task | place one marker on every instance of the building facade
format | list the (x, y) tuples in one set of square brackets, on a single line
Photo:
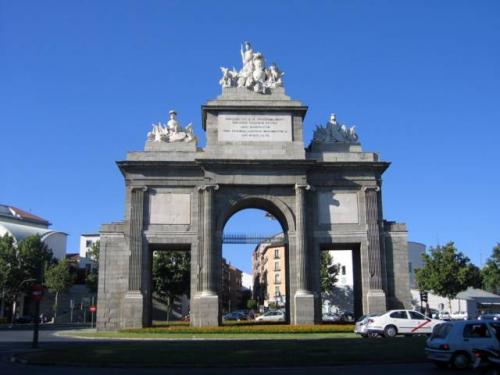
[(231, 288), (20, 224), (415, 261), (269, 273)]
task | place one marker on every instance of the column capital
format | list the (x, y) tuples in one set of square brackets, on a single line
[(303, 186), (369, 188), (208, 187), (139, 188)]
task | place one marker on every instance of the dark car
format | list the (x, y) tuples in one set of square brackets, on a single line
[(489, 317), (235, 315), (347, 316), (25, 319)]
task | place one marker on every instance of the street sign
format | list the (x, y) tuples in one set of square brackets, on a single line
[(36, 292), (92, 309)]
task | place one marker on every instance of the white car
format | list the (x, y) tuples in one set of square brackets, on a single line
[(271, 316), (459, 315), (406, 322), (452, 342), (444, 315)]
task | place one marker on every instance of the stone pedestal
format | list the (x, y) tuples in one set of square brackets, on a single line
[(205, 311), (133, 310), (304, 308), (376, 301)]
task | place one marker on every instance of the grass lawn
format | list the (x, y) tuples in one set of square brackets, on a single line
[(336, 349)]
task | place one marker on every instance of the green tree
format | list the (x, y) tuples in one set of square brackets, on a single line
[(329, 272), (490, 274), (9, 271), (58, 278), (171, 275), (92, 278), (251, 304), (34, 257), (25, 265), (447, 272)]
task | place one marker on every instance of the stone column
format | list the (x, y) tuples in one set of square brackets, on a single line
[(208, 272), (304, 298), (376, 296), (133, 305), (206, 312)]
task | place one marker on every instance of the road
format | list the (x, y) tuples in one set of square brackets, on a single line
[(12, 342)]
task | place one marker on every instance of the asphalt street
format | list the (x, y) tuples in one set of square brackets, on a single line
[(12, 342)]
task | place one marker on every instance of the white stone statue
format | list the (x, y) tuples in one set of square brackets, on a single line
[(253, 75), (172, 131), (229, 77), (334, 132), (274, 76)]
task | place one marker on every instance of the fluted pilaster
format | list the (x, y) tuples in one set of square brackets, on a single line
[(208, 272), (374, 245), (301, 237), (135, 232)]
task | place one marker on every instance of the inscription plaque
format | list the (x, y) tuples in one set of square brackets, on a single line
[(262, 127)]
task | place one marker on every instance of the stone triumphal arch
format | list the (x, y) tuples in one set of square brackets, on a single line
[(179, 196)]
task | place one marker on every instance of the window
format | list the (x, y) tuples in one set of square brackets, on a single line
[(277, 266), (88, 243), (409, 267), (416, 316), (343, 270), (276, 254), (277, 291), (277, 278), (441, 330), (476, 331), (399, 315)]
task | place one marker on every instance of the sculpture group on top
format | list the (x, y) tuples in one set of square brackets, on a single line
[(254, 75), (172, 131), (334, 132)]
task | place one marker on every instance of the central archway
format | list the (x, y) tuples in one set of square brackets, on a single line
[(270, 260)]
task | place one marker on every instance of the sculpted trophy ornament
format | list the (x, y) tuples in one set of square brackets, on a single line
[(254, 75), (172, 131), (334, 132)]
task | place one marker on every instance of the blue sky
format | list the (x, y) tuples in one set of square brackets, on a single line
[(82, 82)]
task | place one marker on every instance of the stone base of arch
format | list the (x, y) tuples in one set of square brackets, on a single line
[(376, 301), (133, 310), (205, 311), (304, 308)]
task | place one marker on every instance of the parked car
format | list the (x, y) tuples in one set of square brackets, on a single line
[(489, 317), (24, 319), (249, 314), (331, 317), (459, 315), (394, 322), (346, 316), (361, 328), (235, 316), (444, 315), (452, 342), (272, 316)]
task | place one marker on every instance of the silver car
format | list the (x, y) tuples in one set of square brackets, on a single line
[(452, 342)]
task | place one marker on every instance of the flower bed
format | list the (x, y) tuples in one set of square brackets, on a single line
[(247, 329)]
